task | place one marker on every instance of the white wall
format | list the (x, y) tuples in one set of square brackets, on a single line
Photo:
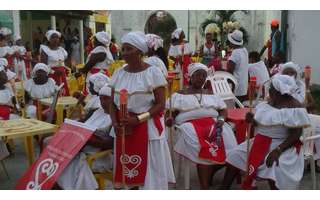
[(303, 40)]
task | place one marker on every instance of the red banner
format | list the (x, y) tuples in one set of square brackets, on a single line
[(62, 148)]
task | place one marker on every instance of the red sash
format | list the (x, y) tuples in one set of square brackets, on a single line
[(10, 59), (136, 155), (210, 151), (258, 152), (61, 79), (186, 61), (28, 68), (4, 112), (62, 148)]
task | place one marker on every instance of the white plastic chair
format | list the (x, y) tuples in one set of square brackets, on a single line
[(222, 89), (309, 136), (222, 75)]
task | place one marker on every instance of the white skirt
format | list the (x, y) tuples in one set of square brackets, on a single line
[(188, 143), (286, 176)]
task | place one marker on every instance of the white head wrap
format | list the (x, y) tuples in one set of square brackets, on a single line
[(105, 91), (98, 80), (1, 68), (284, 84), (3, 62), (51, 32), (103, 37), (193, 67), (154, 41), (293, 66), (176, 33), (40, 66), (136, 39), (17, 37), (5, 31)]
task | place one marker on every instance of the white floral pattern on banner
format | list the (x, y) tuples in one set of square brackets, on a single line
[(47, 167)]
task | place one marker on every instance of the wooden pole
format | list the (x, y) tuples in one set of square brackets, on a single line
[(123, 115)]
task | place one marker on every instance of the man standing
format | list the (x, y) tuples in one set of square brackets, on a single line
[(273, 44), (238, 64)]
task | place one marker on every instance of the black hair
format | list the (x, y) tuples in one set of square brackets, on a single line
[(254, 55), (2, 37), (174, 40), (163, 55)]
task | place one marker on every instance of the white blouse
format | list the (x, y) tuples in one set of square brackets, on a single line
[(155, 61), (40, 91), (5, 50), (275, 122), (107, 61), (55, 57), (190, 108), (93, 103), (6, 96), (140, 87), (176, 50)]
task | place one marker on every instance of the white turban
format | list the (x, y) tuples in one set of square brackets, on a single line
[(154, 41), (51, 32), (136, 39), (98, 80), (103, 37), (3, 62), (5, 31), (193, 67), (105, 91), (284, 84), (40, 66), (292, 66), (176, 33)]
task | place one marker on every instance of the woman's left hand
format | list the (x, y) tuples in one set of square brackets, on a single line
[(130, 121), (273, 157)]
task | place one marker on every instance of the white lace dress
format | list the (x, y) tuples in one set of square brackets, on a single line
[(38, 92), (274, 123), (189, 108), (140, 87)]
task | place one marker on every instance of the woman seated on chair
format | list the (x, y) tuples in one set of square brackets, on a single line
[(275, 151), (38, 87), (96, 82), (199, 116), (78, 175)]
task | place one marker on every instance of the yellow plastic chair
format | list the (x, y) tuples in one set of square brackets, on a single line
[(100, 177)]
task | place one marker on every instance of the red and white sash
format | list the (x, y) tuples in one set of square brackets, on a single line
[(62, 148), (135, 158), (258, 152), (209, 149)]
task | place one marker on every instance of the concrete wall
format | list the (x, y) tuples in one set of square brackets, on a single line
[(303, 40)]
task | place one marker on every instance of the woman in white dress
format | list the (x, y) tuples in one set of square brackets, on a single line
[(54, 56), (38, 87), (146, 158), (199, 118), (78, 175), (156, 53), (209, 49), (275, 151), (180, 51), (18, 61), (99, 58)]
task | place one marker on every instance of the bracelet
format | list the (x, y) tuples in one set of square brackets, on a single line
[(143, 117), (220, 118)]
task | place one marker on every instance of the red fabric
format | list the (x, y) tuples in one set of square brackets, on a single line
[(210, 151), (216, 64), (238, 116), (136, 154), (4, 112), (186, 61), (61, 79), (28, 67), (157, 122), (10, 61), (62, 148), (258, 152)]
